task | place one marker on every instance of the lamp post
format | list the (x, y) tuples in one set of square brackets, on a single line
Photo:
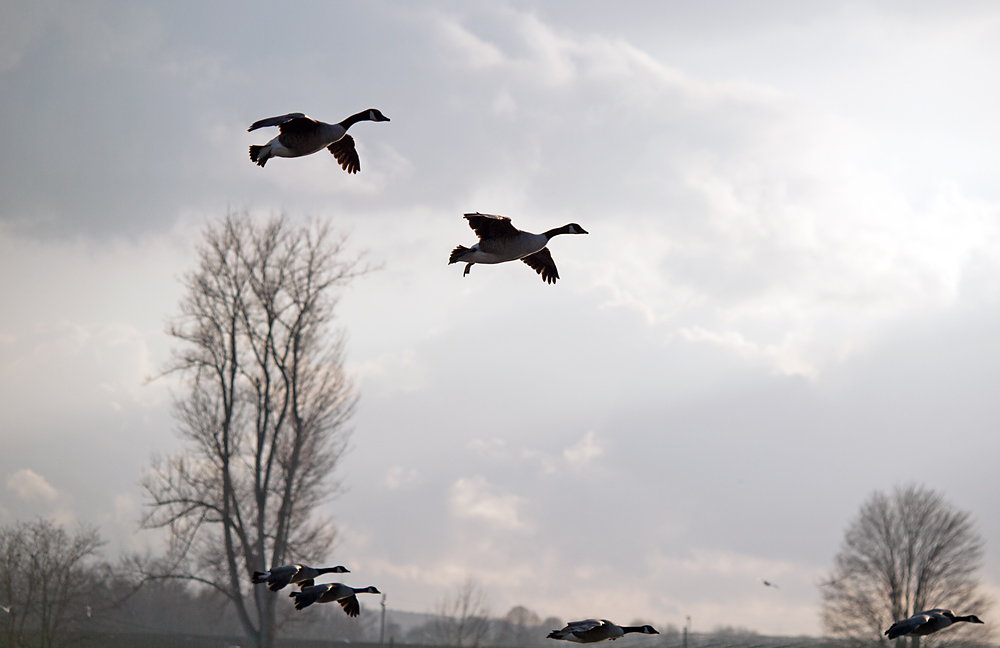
[(381, 632)]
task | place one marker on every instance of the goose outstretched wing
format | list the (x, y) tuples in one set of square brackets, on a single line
[(542, 263), (345, 153), (489, 226), (350, 605), (276, 121)]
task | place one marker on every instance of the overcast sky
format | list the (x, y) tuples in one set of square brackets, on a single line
[(789, 297)]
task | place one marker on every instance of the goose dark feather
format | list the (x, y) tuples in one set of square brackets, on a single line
[(542, 263)]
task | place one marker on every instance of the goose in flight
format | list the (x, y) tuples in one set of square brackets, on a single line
[(593, 630), (329, 592), (499, 241), (301, 575), (926, 622), (300, 135)]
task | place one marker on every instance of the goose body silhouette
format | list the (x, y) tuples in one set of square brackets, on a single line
[(302, 575), (927, 622), (300, 135), (500, 241), (330, 592), (594, 630)]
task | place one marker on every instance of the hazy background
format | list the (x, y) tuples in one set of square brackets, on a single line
[(788, 297)]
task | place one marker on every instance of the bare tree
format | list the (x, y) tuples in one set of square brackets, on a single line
[(904, 553), (519, 627), (265, 411), (463, 618), (46, 577)]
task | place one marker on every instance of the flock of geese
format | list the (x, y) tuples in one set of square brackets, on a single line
[(499, 242)]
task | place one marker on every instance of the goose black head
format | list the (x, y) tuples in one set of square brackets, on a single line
[(371, 590), (647, 629), (573, 228), (375, 115), (972, 618)]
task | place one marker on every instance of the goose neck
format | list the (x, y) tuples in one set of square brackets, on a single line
[(354, 119)]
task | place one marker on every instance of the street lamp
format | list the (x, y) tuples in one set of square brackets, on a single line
[(381, 632)]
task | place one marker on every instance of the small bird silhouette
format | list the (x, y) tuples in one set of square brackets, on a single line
[(769, 584)]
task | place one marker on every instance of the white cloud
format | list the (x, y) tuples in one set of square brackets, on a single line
[(31, 487), (397, 477), (475, 498), (580, 455), (491, 448)]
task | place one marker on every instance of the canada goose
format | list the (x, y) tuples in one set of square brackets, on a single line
[(303, 575), (591, 630), (301, 135), (926, 622), (329, 592), (769, 584), (500, 241)]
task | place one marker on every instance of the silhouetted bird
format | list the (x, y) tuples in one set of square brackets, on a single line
[(926, 622), (499, 241), (330, 592), (593, 630), (301, 135), (769, 584), (302, 575)]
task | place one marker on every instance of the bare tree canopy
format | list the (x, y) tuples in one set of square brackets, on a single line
[(519, 627), (903, 554), (463, 618), (265, 411), (46, 579)]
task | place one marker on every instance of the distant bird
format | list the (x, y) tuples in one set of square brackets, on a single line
[(831, 583), (301, 135), (593, 630), (5, 608), (926, 622), (499, 241), (301, 575), (329, 592), (769, 584)]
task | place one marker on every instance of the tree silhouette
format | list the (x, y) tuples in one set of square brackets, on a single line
[(265, 411), (903, 554)]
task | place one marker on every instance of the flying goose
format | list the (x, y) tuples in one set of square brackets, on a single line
[(500, 241), (329, 592), (926, 622), (592, 630), (301, 135), (302, 575)]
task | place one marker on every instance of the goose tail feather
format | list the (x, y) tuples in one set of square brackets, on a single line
[(256, 156), (456, 254)]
